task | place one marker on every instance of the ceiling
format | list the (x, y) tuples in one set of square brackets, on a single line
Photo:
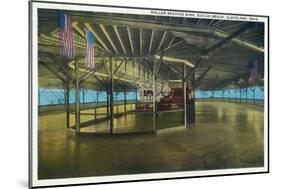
[(215, 52)]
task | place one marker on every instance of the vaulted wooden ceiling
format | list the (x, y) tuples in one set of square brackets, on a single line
[(217, 51)]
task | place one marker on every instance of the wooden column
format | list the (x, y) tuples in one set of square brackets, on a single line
[(193, 97), (77, 98), (107, 102), (83, 97), (254, 96), (184, 93), (154, 97), (246, 95), (240, 95), (111, 98), (97, 99), (125, 102), (66, 102)]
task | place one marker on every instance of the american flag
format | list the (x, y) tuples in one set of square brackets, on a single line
[(65, 35), (254, 71), (90, 51)]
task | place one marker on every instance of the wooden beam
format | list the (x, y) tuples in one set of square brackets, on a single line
[(130, 39), (108, 37), (140, 41), (77, 98), (199, 61), (171, 42), (100, 81), (53, 71), (219, 45), (144, 23), (111, 98), (104, 63), (199, 80), (86, 76), (147, 64), (118, 67), (176, 71), (77, 28), (151, 41), (162, 40), (119, 38), (97, 37), (177, 44), (62, 66), (228, 38), (160, 25)]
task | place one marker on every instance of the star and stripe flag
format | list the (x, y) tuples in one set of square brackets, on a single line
[(65, 35), (66, 40), (90, 50)]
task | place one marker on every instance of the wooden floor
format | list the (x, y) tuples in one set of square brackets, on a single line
[(226, 135)]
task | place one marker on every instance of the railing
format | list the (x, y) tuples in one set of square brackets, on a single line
[(258, 102), (56, 108)]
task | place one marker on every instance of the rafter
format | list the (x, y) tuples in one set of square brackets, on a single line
[(108, 37), (228, 38), (140, 41), (171, 42), (161, 25), (162, 40), (151, 41), (97, 37), (131, 41), (119, 38), (77, 28)]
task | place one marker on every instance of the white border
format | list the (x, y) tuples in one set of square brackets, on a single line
[(35, 182)]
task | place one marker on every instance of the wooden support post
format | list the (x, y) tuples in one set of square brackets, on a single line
[(184, 98), (97, 100), (107, 103), (83, 97), (240, 95), (125, 102), (77, 98), (39, 96), (193, 97), (246, 95), (136, 95), (111, 97), (203, 92), (154, 96), (254, 96), (66, 102)]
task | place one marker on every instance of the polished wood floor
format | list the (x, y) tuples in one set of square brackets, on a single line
[(225, 135)]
